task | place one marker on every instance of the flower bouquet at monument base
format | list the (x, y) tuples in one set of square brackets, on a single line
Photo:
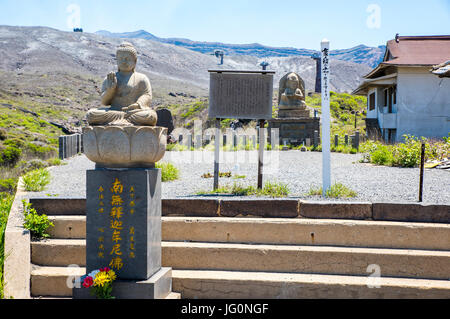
[(100, 282)]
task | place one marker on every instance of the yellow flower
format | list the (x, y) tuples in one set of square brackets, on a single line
[(112, 275), (101, 279)]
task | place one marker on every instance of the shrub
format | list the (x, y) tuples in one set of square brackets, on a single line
[(27, 166), (54, 162), (40, 151), (35, 181), (3, 134), (382, 155), (16, 142), (176, 147), (10, 156), (35, 223), (8, 185), (168, 172), (407, 154)]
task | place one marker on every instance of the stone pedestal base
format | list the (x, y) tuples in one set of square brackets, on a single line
[(159, 286), (123, 222), (295, 131), (123, 232), (294, 113)]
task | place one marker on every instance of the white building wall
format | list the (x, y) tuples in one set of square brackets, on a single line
[(423, 103)]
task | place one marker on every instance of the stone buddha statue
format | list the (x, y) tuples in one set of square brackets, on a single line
[(291, 97), (292, 91), (127, 93)]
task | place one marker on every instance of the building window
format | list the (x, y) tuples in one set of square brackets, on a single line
[(372, 102), (395, 95), (385, 95)]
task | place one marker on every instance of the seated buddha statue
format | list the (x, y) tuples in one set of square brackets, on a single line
[(291, 92), (126, 95)]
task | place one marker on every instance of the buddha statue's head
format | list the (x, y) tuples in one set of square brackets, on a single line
[(126, 57), (292, 81)]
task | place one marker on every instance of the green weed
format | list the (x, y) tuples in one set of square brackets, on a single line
[(337, 190), (35, 181), (38, 225), (168, 172), (271, 189)]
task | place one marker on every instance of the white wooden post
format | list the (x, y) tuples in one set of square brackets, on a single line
[(326, 153)]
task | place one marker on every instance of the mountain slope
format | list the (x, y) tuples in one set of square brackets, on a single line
[(170, 68), (360, 54)]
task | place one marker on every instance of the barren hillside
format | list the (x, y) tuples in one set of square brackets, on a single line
[(169, 67)]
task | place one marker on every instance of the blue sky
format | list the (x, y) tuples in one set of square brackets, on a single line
[(290, 23)]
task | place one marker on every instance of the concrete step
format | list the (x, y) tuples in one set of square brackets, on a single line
[(271, 258), (345, 233), (59, 252), (68, 227), (56, 282), (173, 295), (199, 284), (376, 234), (307, 259)]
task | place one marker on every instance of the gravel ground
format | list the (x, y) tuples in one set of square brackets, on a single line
[(300, 171)]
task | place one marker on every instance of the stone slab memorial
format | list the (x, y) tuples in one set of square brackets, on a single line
[(123, 204), (123, 224)]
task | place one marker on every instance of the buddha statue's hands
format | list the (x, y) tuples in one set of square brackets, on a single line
[(111, 81), (132, 107), (130, 110)]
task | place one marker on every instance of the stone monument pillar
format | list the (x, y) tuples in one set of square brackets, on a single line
[(123, 207)]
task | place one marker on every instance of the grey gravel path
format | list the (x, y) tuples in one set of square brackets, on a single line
[(300, 171)]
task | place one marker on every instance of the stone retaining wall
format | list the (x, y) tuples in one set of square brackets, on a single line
[(17, 264), (273, 208)]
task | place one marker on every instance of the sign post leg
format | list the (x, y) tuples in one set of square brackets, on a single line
[(261, 153), (422, 165), (217, 155)]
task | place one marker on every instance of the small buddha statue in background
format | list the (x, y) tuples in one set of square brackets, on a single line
[(291, 97), (292, 92), (126, 94)]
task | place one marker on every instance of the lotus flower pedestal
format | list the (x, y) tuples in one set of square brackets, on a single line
[(123, 210), (125, 146)]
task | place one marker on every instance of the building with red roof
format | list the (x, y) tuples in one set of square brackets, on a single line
[(409, 92)]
